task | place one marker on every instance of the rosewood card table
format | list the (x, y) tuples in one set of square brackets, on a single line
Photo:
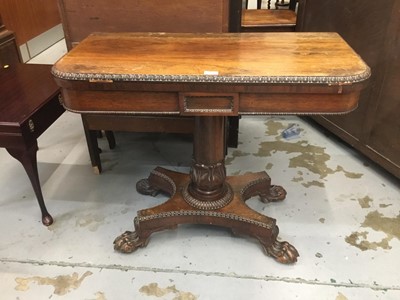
[(211, 77)]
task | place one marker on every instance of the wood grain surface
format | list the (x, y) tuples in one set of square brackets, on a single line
[(115, 55)]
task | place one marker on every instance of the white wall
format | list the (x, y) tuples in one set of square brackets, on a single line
[(253, 3)]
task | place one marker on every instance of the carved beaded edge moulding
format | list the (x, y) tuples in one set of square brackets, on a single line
[(215, 78)]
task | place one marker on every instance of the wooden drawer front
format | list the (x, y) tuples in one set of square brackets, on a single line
[(197, 104), (41, 119)]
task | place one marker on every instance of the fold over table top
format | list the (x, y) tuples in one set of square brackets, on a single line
[(245, 73), (228, 57)]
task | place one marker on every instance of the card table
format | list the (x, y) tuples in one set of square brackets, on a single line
[(211, 76)]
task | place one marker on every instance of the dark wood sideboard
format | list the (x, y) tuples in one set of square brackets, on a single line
[(372, 28), (29, 104)]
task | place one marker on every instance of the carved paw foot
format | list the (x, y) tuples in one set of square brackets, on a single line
[(128, 242), (275, 193), (282, 252), (143, 186)]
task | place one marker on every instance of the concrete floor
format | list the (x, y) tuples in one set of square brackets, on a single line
[(341, 213)]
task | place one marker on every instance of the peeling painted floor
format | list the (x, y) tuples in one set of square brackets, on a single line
[(341, 213)]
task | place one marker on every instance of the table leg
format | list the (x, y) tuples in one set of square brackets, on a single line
[(93, 147), (27, 157), (208, 196)]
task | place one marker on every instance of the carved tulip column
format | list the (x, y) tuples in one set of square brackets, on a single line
[(208, 189)]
